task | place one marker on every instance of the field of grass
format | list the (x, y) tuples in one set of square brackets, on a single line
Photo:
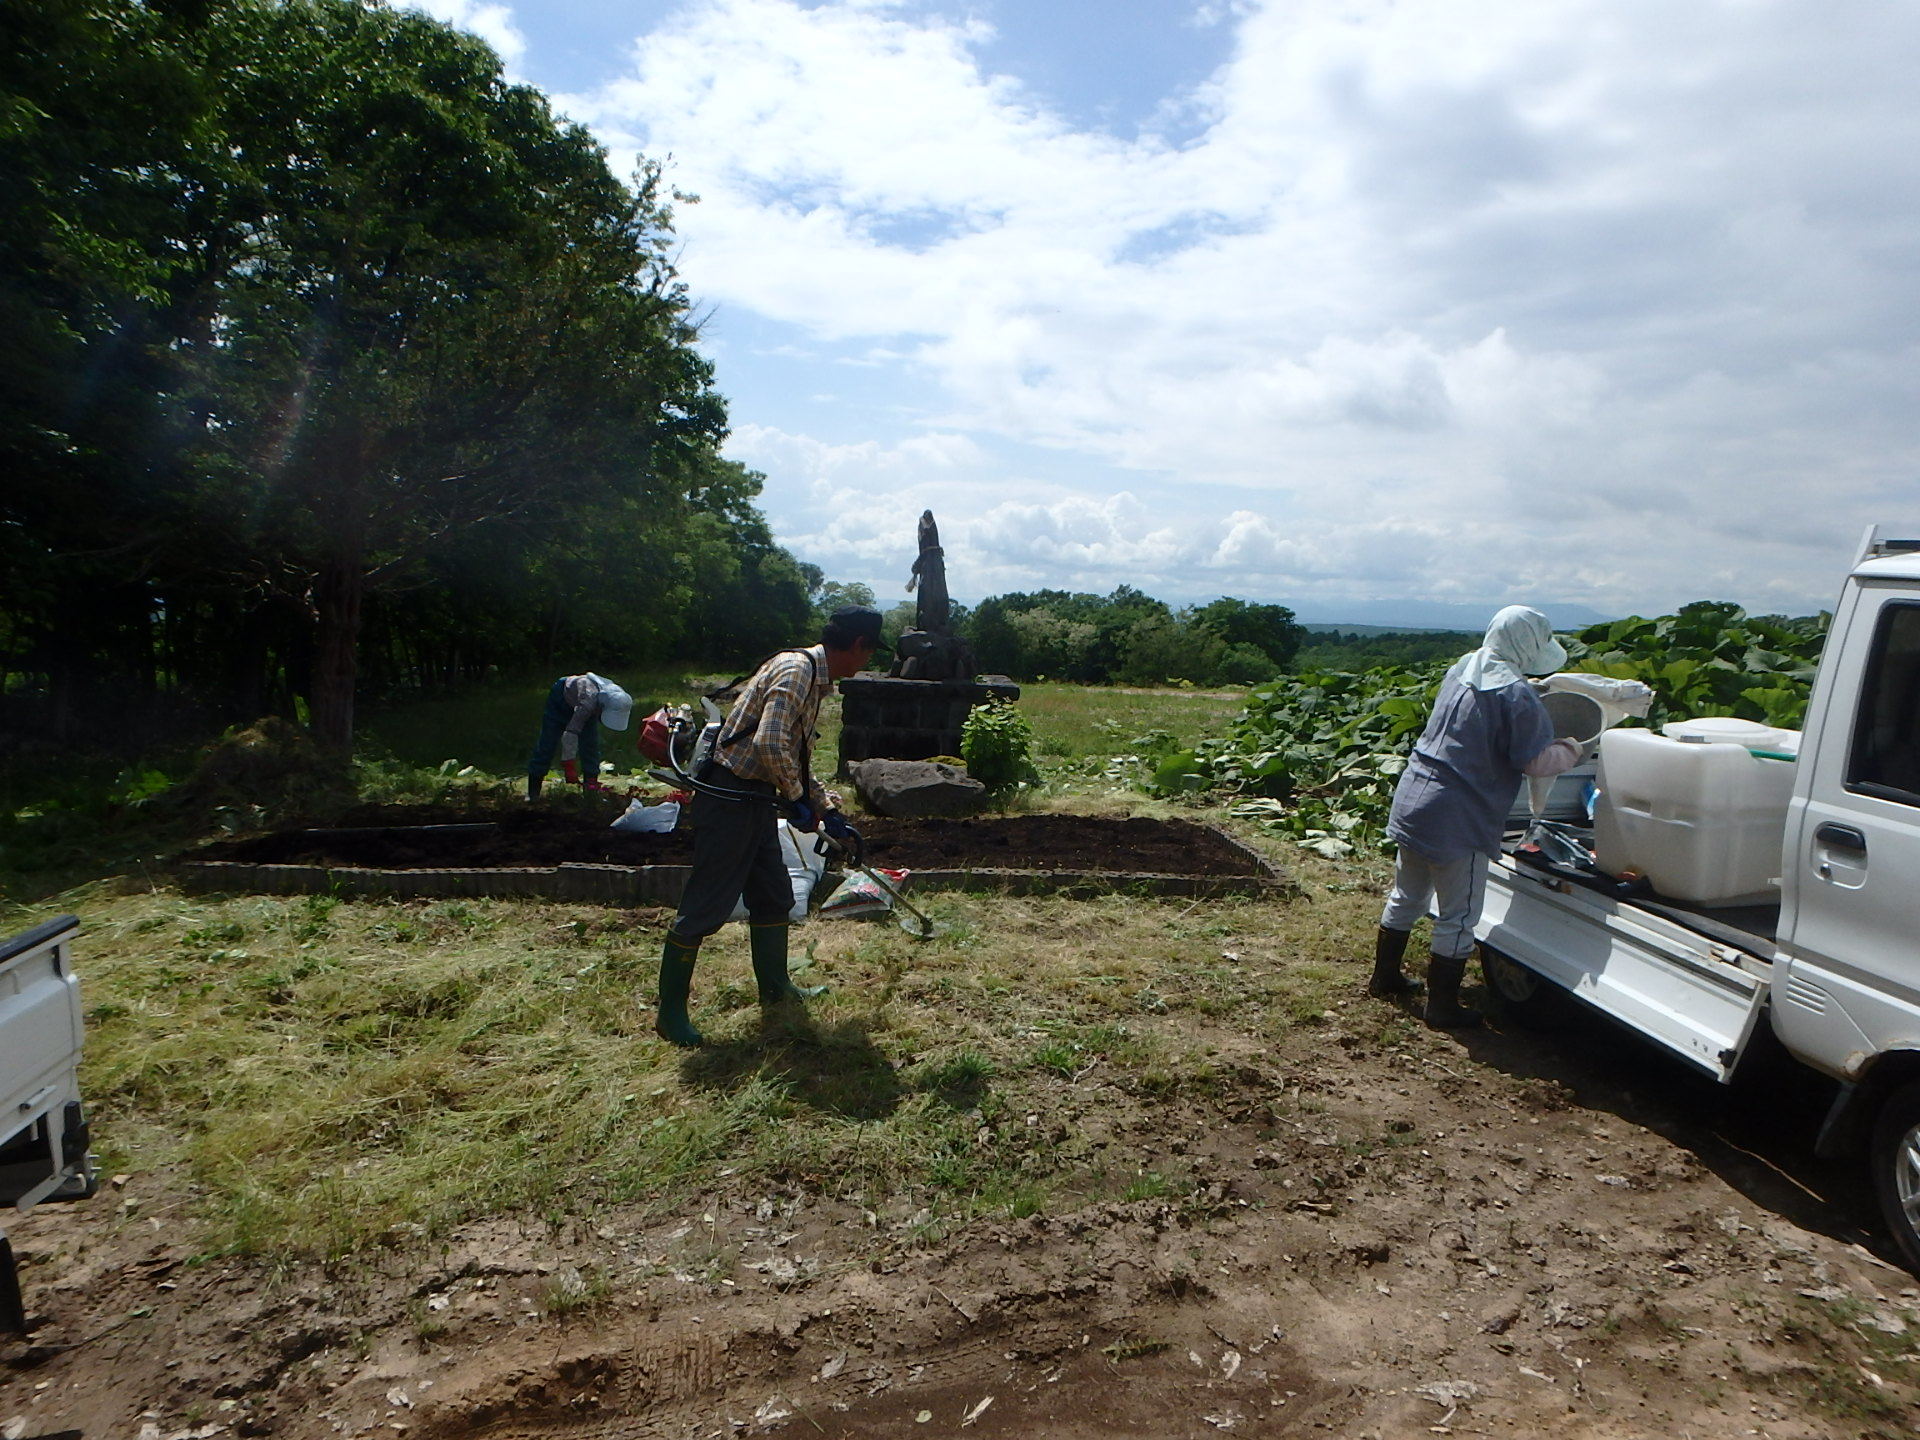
[(331, 1073), (1078, 730)]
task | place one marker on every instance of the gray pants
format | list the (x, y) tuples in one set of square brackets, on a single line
[(1456, 891), (736, 854)]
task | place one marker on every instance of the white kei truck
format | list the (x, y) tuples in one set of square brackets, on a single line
[(43, 1126), (1827, 956)]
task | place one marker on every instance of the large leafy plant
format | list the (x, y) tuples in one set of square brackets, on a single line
[(1316, 755), (997, 744), (1711, 658)]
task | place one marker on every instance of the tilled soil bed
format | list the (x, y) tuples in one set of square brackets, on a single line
[(396, 839)]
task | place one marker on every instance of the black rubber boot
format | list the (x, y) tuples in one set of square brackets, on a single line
[(769, 946), (676, 983), (1389, 949), (534, 782), (1444, 1010)]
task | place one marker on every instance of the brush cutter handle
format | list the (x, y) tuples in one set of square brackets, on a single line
[(837, 834)]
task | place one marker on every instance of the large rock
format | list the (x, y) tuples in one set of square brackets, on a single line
[(910, 789)]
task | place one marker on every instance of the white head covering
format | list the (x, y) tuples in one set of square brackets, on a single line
[(615, 704), (1519, 643)]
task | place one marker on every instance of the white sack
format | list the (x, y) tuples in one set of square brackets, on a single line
[(649, 819), (803, 869)]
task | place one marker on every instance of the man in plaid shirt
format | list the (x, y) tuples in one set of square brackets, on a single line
[(764, 751)]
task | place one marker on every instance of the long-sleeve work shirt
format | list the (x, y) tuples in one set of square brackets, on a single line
[(587, 695), (1460, 781), (773, 723)]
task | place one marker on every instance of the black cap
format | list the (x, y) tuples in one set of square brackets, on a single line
[(857, 622)]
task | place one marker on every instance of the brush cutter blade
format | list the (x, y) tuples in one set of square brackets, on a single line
[(916, 925)]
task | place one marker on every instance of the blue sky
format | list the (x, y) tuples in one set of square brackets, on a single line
[(1362, 306)]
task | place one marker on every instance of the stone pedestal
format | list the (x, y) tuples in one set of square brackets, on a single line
[(887, 718)]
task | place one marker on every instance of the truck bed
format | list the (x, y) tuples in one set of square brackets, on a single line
[(1692, 979), (1751, 927)]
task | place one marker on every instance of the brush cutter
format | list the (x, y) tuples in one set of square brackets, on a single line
[(851, 851), (843, 842)]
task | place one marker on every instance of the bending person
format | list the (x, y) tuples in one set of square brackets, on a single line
[(567, 724), (764, 752), (1487, 731)]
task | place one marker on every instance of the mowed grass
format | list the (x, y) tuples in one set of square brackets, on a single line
[(329, 1075), (333, 1075)]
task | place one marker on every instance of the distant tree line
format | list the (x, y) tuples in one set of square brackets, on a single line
[(1130, 638), (332, 364), (1353, 650)]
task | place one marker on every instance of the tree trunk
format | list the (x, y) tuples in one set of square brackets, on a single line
[(337, 596)]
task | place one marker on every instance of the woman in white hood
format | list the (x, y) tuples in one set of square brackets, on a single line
[(1487, 731)]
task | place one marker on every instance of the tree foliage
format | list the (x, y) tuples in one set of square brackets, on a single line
[(335, 361), (1130, 638)]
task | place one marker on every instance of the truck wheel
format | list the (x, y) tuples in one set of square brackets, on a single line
[(1896, 1170), (1523, 995)]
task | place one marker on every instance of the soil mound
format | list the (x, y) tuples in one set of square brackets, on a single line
[(444, 839)]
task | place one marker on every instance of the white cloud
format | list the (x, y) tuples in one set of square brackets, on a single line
[(493, 23), (1602, 300)]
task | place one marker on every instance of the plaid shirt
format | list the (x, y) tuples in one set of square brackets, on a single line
[(775, 716)]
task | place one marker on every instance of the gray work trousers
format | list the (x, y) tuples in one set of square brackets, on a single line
[(1455, 889), (736, 855)]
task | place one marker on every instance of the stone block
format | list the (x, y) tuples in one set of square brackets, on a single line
[(912, 789)]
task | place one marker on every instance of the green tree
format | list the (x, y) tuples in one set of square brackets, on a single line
[(437, 312), (1269, 629), (1163, 648), (316, 327)]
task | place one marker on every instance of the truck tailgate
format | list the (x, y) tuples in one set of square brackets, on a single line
[(40, 1034), (1698, 996)]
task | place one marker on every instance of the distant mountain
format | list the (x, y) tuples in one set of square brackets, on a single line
[(1348, 628), (1370, 617)]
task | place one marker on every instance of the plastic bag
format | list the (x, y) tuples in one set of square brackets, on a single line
[(804, 867), (648, 819), (1618, 699), (860, 894)]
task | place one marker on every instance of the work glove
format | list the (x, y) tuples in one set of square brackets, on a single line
[(836, 825), (571, 769), (802, 818)]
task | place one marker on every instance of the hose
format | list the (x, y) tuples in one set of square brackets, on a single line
[(852, 848)]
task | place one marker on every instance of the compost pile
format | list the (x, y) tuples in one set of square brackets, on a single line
[(396, 838)]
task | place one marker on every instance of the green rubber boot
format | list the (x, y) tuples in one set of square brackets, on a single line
[(676, 982), (769, 946)]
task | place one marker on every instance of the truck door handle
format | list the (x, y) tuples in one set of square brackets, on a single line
[(1841, 837)]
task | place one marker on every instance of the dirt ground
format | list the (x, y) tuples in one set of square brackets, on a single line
[(399, 838), (1494, 1233)]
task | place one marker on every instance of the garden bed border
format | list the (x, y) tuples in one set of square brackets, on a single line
[(637, 885)]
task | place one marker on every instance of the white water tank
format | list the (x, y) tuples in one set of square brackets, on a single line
[(1731, 730), (1703, 820)]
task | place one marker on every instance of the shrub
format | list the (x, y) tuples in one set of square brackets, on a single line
[(997, 744)]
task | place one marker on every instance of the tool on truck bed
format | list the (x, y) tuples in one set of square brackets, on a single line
[(842, 842)]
